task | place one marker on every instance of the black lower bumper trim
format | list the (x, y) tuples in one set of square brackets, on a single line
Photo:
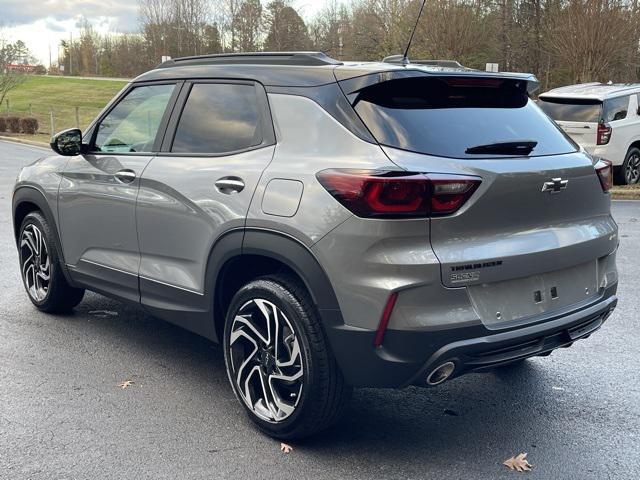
[(408, 357)]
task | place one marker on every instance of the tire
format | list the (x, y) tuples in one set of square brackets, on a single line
[(40, 268), (308, 391), (629, 172)]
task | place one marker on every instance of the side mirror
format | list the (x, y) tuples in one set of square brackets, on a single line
[(68, 142)]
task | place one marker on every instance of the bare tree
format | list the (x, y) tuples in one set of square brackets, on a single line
[(246, 25), (286, 29), (559, 40), (330, 29), (591, 38), (9, 77)]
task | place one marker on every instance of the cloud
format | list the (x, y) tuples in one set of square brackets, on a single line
[(122, 15), (54, 26)]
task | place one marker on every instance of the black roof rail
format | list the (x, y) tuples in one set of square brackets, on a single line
[(307, 59)]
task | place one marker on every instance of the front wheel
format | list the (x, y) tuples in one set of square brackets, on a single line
[(40, 267), (278, 360)]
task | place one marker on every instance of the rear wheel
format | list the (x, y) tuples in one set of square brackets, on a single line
[(41, 272), (278, 360), (629, 172)]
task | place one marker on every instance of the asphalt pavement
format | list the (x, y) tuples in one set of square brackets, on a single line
[(62, 414)]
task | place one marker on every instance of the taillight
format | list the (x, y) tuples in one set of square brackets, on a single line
[(604, 169), (604, 134), (398, 194)]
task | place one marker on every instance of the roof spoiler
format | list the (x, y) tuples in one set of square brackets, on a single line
[(352, 85)]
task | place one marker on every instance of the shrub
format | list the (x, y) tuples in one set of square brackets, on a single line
[(3, 125), (13, 124), (29, 125)]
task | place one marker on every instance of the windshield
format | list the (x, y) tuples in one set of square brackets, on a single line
[(449, 116), (572, 110)]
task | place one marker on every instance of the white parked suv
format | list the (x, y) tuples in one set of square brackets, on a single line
[(604, 119)]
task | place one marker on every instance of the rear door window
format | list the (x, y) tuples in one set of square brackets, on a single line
[(219, 118), (449, 116), (572, 110), (616, 108)]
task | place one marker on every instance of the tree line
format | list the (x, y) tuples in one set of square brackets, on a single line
[(561, 41)]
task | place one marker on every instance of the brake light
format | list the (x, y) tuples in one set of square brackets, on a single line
[(604, 134), (604, 169), (398, 194)]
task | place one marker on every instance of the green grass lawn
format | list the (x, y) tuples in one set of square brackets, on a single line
[(61, 95)]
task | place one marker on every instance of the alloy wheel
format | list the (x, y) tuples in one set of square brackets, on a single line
[(632, 170), (266, 363), (36, 264)]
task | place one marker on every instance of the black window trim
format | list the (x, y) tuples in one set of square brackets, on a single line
[(92, 131), (266, 121)]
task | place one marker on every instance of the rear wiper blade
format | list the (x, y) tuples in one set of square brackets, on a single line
[(523, 147)]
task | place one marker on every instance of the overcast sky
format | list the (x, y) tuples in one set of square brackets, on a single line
[(41, 24)]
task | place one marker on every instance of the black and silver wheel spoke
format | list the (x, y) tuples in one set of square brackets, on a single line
[(36, 265), (266, 360), (633, 169)]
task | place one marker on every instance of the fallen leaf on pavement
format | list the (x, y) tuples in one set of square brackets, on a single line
[(125, 384), (518, 463), (285, 448)]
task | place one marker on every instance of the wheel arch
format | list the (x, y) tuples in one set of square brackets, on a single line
[(27, 199), (634, 144), (265, 252)]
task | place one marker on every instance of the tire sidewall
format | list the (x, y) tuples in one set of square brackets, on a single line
[(271, 290), (625, 165), (40, 222)]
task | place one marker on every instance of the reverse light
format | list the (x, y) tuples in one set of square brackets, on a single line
[(604, 169), (604, 134), (398, 194)]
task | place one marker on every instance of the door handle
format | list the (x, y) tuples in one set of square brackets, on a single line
[(125, 176), (230, 185)]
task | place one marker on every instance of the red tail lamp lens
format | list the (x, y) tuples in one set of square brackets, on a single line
[(604, 134), (397, 194), (604, 169)]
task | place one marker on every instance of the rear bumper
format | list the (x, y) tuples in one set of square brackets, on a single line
[(408, 357)]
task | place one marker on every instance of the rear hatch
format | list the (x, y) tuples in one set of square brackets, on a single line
[(538, 222), (579, 118)]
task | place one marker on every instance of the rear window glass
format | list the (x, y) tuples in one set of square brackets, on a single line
[(219, 118), (572, 110), (447, 116)]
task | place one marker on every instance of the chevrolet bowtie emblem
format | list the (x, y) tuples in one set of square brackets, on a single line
[(556, 185)]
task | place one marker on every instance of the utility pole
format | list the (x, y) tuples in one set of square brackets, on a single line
[(70, 53)]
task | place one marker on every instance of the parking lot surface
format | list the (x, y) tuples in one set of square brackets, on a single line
[(62, 414)]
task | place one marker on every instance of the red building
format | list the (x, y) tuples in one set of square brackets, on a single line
[(21, 67)]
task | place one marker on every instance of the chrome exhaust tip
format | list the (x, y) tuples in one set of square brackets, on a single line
[(441, 373)]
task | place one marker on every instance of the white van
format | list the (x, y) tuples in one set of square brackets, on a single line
[(604, 119)]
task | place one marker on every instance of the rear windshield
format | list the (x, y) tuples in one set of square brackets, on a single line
[(572, 110), (446, 116)]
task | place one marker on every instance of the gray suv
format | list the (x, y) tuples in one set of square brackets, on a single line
[(333, 225)]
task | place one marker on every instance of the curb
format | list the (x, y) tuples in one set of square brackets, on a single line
[(25, 142), (632, 195)]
